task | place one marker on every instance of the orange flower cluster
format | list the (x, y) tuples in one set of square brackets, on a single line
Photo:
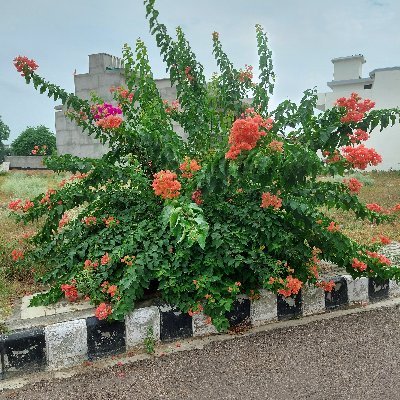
[(333, 227), (383, 239), (382, 259), (46, 198), (110, 221), (358, 265), (166, 185), (109, 122), (16, 205), (327, 286), (90, 264), (360, 157), (24, 64), (171, 107), (188, 75), (122, 92), (358, 136), (63, 221), (292, 286), (188, 167), (355, 108), (90, 220), (276, 145), (17, 255), (196, 197), (112, 290), (245, 133), (105, 259), (246, 74), (354, 185), (70, 291), (270, 200), (103, 311), (375, 207), (332, 158)]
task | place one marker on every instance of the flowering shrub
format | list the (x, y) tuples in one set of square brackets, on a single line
[(234, 208)]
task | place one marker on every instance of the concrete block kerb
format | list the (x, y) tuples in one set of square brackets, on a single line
[(137, 325), (66, 343)]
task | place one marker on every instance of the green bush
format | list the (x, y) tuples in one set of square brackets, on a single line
[(37, 140), (4, 135), (235, 208)]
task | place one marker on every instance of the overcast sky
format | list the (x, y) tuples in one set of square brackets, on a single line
[(304, 37)]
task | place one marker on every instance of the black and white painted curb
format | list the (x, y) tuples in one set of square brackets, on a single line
[(72, 342)]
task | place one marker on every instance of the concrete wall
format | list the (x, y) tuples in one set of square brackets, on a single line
[(25, 162), (383, 87), (105, 71)]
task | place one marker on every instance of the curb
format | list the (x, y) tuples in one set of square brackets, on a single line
[(70, 343)]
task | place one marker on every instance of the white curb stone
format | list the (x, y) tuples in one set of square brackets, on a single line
[(66, 343), (394, 289), (313, 299), (200, 327), (137, 324), (264, 309), (357, 289)]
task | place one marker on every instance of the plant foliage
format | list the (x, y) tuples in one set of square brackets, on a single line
[(234, 208)]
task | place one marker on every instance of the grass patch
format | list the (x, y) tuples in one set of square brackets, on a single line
[(385, 190), (17, 278)]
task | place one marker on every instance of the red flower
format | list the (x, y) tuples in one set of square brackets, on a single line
[(105, 259), (327, 286), (276, 145), (358, 265), (28, 205), (112, 290), (15, 205), (17, 255), (188, 167), (103, 311), (333, 227), (70, 291), (354, 185), (245, 133), (109, 122), (375, 207), (292, 286), (355, 108), (196, 197), (166, 185), (88, 221), (360, 157), (63, 221), (270, 200), (358, 136), (25, 65)]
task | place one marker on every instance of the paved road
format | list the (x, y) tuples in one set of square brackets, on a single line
[(351, 357)]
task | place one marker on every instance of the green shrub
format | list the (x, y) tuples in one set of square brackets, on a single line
[(37, 140), (235, 208)]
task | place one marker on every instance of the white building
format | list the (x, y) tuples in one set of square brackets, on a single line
[(381, 86), (105, 71)]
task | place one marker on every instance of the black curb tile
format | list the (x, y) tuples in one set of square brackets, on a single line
[(2, 372), (378, 289), (23, 351), (174, 324), (289, 307), (104, 338), (339, 296), (240, 312)]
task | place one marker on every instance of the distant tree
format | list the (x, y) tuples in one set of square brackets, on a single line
[(37, 140), (4, 135)]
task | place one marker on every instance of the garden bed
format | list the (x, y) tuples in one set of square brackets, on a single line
[(380, 187)]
